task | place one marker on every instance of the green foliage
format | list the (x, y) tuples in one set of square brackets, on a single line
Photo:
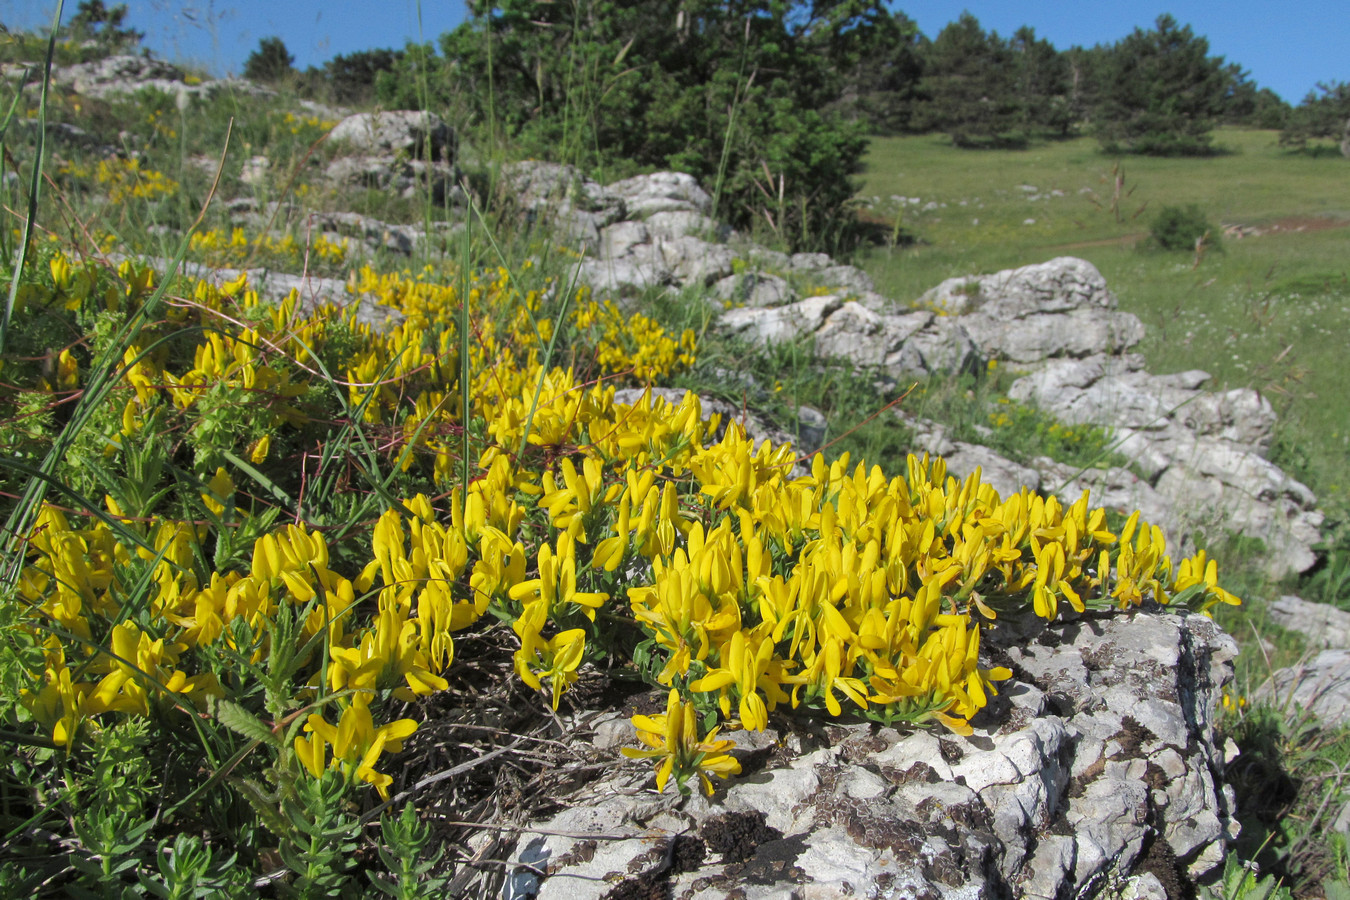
[(350, 78), (985, 90), (407, 853), (270, 63), (885, 67), (1242, 881), (322, 836), (969, 78), (94, 21), (738, 97), (1256, 108), (1320, 115), (1159, 92), (1289, 783), (1182, 228), (1329, 580)]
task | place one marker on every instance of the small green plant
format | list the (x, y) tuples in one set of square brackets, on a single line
[(406, 852), (1183, 228), (1243, 881)]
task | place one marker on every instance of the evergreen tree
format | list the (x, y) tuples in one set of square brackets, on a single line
[(93, 20), (350, 78), (884, 86), (971, 85), (271, 62), (1160, 92), (1042, 84), (1321, 116)]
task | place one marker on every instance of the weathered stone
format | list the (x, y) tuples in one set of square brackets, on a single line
[(643, 267), (1321, 685), (676, 224), (399, 175), (780, 324), (1322, 625), (1203, 452), (1004, 475), (411, 133), (939, 345), (1036, 337), (806, 262), (847, 278), (620, 238), (1060, 285), (658, 192), (855, 333), (754, 289), (694, 262), (1045, 799)]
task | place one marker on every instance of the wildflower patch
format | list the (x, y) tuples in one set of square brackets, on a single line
[(640, 535)]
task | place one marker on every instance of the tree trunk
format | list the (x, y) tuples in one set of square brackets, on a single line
[(1345, 140)]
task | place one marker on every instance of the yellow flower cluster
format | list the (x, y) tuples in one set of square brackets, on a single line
[(585, 523), (221, 249), (124, 179), (633, 343), (312, 125), (674, 739)]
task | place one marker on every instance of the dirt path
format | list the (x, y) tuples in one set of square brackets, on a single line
[(1237, 232)]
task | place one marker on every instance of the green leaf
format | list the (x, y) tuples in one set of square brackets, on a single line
[(244, 723)]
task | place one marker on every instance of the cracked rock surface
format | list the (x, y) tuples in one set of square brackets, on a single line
[(1099, 757)]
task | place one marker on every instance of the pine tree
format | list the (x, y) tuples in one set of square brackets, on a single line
[(271, 62), (1160, 92), (971, 85)]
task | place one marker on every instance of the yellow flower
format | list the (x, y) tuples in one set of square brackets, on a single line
[(257, 452), (1200, 576), (674, 739), (220, 489), (556, 586), (556, 658), (355, 741), (748, 667)]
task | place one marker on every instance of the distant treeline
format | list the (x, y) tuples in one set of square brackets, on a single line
[(770, 102)]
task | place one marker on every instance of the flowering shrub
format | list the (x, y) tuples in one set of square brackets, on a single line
[(593, 529), (220, 249), (125, 179)]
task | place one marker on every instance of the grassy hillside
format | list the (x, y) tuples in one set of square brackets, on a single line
[(1268, 310), (262, 524)]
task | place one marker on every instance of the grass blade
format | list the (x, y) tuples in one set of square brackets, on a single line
[(34, 185)]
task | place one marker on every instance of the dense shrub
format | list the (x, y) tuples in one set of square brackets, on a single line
[(1182, 227), (745, 99)]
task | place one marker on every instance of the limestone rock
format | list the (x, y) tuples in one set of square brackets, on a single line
[(677, 223), (412, 133), (658, 192), (1323, 625), (398, 175), (756, 289), (694, 262), (1104, 745), (938, 345), (1004, 475), (574, 206), (1060, 285), (780, 324), (642, 267), (1321, 685), (1201, 451)]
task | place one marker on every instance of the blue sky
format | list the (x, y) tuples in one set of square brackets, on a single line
[(1287, 47)]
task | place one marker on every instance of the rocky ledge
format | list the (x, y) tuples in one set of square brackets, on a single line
[(1097, 771)]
